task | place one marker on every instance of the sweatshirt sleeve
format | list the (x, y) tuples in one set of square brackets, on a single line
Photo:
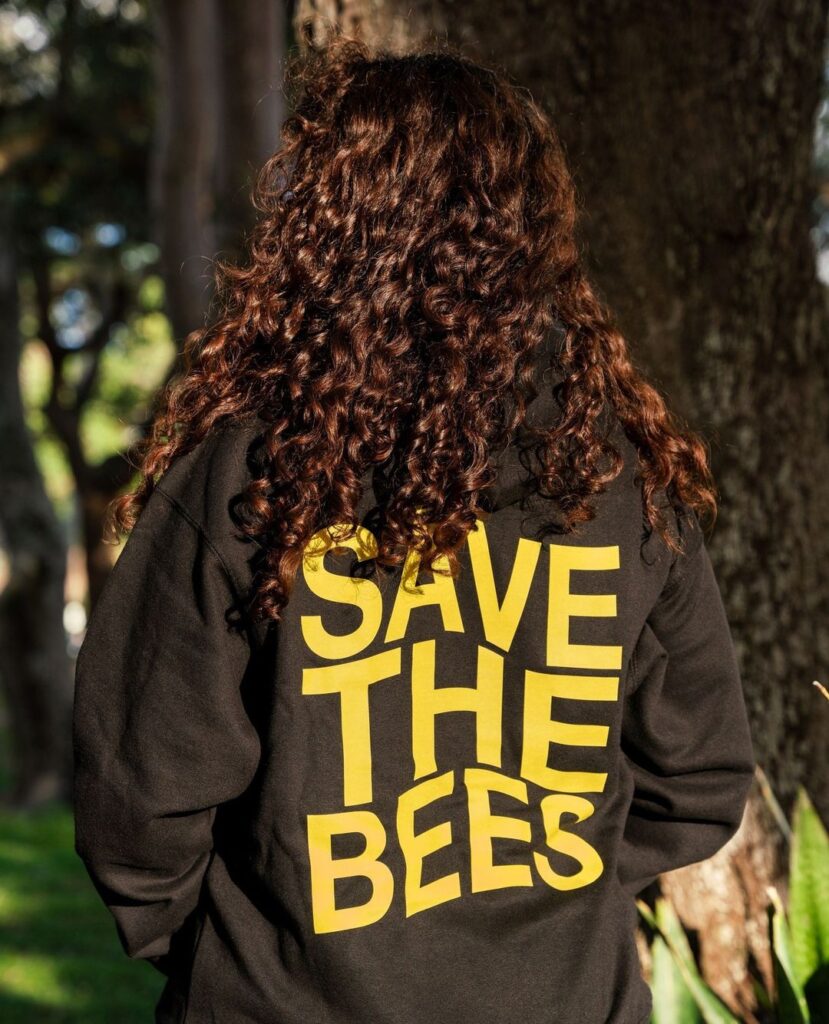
[(685, 732), (161, 736)]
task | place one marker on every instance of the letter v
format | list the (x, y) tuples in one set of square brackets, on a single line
[(501, 620)]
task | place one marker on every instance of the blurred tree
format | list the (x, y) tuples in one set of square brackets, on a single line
[(77, 155), (34, 665), (77, 101), (220, 110), (690, 130), (80, 99), (71, 186)]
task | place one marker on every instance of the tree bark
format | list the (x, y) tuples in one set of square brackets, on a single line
[(34, 665), (182, 186), (220, 109), (252, 109), (689, 130)]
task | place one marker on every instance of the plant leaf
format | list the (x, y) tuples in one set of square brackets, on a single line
[(809, 903), (667, 925), (673, 1002), (791, 1002)]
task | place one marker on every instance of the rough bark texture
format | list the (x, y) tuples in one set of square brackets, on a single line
[(34, 665), (689, 130)]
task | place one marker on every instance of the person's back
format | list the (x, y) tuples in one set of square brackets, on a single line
[(401, 688)]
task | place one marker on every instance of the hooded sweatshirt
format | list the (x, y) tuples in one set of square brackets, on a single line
[(414, 798)]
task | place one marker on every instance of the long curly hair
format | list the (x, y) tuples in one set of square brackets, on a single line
[(416, 240)]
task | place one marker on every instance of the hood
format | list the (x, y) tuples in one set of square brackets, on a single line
[(513, 463)]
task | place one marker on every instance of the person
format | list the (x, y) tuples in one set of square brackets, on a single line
[(413, 671)]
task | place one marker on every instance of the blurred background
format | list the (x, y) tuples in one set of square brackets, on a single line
[(699, 137)]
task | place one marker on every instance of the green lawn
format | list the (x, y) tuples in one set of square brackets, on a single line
[(60, 959)]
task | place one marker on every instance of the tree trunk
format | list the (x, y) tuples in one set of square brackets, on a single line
[(252, 46), (34, 665), (182, 187), (219, 116), (689, 130)]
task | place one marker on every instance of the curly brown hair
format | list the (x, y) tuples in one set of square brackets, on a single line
[(415, 244)]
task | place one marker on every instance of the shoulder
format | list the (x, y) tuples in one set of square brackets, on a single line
[(201, 477), (205, 483), (681, 520)]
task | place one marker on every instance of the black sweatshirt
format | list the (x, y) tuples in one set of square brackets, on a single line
[(403, 803)]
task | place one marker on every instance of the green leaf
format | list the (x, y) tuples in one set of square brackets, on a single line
[(647, 914), (809, 890), (791, 1001), (673, 1002), (667, 925), (809, 905)]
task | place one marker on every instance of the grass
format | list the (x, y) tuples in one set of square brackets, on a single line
[(60, 958)]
